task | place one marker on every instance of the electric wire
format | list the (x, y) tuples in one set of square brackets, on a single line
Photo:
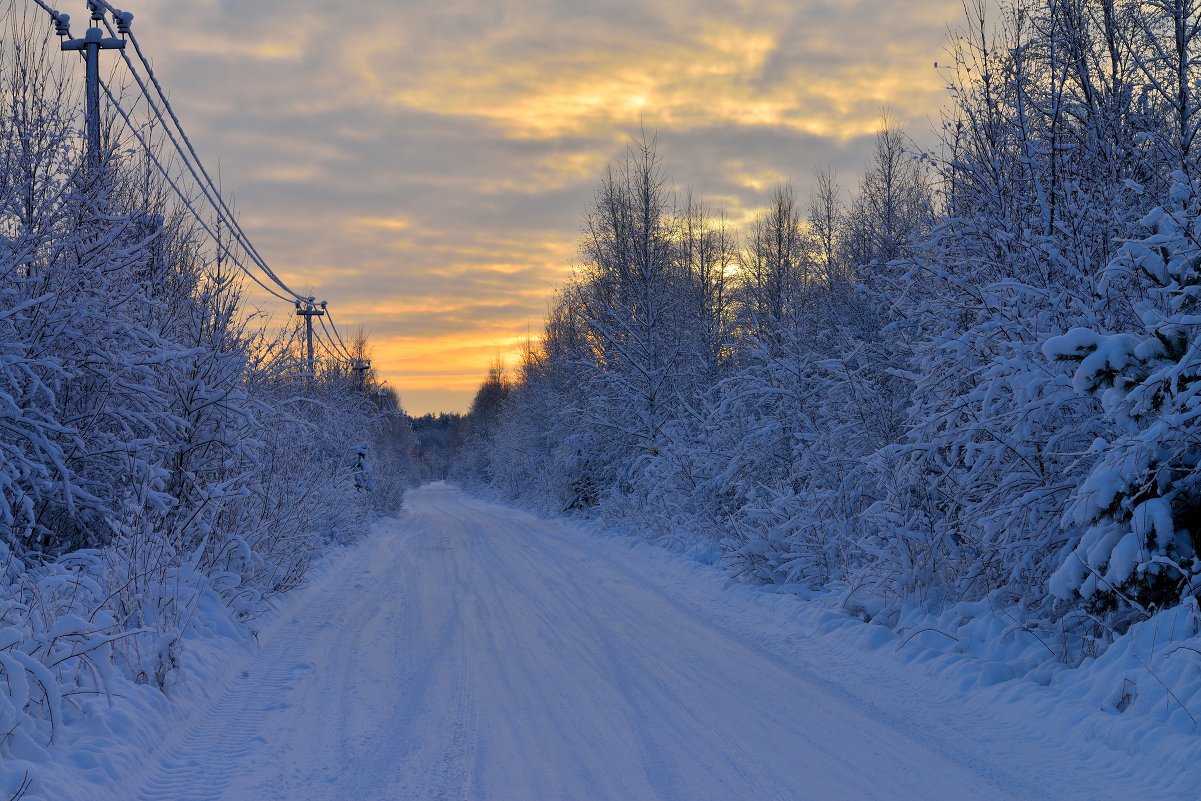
[(220, 207), (207, 187), (166, 103), (185, 199), (331, 346), (345, 354), (52, 12), (335, 329), (136, 132), (338, 348)]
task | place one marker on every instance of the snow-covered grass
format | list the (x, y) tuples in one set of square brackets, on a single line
[(86, 716), (108, 727)]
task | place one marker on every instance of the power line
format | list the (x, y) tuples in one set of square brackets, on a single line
[(341, 351), (220, 207), (189, 159), (339, 336), (214, 198), (53, 13), (359, 366), (124, 19), (184, 198)]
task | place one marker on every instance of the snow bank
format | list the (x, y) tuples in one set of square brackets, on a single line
[(109, 722)]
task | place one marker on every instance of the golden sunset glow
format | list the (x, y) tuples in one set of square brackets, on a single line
[(426, 170)]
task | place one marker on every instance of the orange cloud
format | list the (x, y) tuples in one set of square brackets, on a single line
[(426, 168)]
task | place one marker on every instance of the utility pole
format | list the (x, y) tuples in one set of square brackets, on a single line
[(361, 366), (90, 46), (308, 311)]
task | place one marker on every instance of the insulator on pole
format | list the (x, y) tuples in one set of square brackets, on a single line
[(124, 20), (62, 24)]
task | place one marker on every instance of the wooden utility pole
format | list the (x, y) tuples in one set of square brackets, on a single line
[(308, 311), (361, 367)]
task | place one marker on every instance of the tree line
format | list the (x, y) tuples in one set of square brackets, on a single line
[(972, 377), (166, 460)]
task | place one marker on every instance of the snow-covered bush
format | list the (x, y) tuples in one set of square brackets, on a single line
[(1138, 511), (57, 643)]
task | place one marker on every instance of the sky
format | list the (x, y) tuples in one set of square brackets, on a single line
[(426, 166)]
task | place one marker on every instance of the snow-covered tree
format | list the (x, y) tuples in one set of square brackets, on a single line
[(1134, 520)]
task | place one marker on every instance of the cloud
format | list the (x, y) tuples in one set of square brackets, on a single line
[(426, 167)]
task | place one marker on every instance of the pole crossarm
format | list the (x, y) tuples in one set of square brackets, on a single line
[(94, 37)]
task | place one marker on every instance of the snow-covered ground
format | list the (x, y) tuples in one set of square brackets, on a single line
[(470, 651)]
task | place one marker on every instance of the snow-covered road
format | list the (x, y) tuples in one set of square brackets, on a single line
[(468, 651)]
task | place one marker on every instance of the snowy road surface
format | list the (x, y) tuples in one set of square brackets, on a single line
[(468, 651)]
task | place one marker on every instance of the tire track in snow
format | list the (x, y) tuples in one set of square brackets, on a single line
[(202, 760), (199, 766), (453, 776)]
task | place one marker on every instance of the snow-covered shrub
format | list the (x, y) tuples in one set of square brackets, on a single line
[(389, 468), (56, 646), (781, 477), (1136, 517)]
